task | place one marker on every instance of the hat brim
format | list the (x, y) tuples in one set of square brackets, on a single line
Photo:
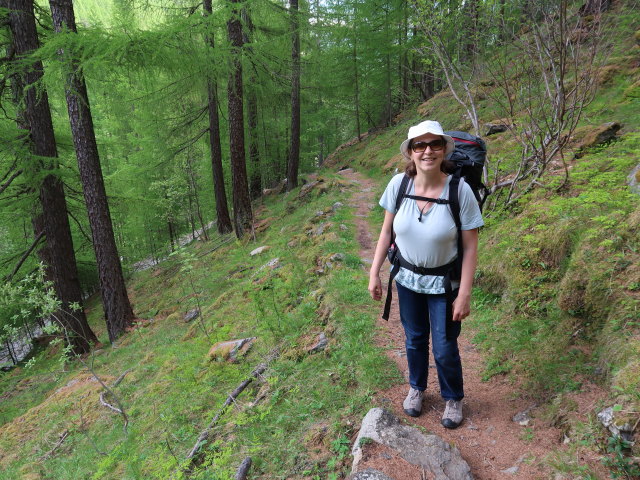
[(404, 146)]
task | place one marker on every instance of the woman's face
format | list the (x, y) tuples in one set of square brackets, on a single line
[(427, 152)]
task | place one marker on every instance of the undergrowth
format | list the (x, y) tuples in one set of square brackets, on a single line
[(309, 281)]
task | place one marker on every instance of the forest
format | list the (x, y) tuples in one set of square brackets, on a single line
[(149, 147)]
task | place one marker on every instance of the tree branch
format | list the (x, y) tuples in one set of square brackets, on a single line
[(25, 255)]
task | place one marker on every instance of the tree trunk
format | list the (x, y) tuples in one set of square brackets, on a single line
[(58, 255), (242, 215), (117, 308), (223, 220), (294, 146), (255, 176)]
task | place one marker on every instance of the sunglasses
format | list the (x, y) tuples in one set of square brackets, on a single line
[(436, 146)]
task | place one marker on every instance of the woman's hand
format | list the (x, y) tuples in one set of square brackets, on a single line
[(375, 287), (461, 307)]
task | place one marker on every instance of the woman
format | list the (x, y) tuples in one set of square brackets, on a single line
[(426, 236)]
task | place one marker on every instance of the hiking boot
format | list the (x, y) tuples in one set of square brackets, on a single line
[(413, 403), (452, 416)]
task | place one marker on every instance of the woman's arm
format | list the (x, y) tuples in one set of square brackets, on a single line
[(375, 286), (462, 304)]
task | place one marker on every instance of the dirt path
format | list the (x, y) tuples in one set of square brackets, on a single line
[(490, 441)]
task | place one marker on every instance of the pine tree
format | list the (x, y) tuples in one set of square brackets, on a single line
[(53, 222), (294, 145), (223, 220), (242, 215), (117, 308)]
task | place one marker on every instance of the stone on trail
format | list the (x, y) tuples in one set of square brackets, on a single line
[(369, 474), (230, 350), (427, 451)]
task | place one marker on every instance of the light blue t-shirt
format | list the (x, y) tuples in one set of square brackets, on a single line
[(430, 242)]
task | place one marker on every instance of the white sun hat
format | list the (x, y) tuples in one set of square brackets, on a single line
[(428, 126)]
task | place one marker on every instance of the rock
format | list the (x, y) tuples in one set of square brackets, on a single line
[(320, 344), (493, 128), (618, 425), (306, 189), (343, 227), (336, 206), (337, 257), (259, 250), (511, 471), (601, 135), (230, 350), (191, 315), (428, 451), (634, 180), (522, 418), (369, 474), (273, 264)]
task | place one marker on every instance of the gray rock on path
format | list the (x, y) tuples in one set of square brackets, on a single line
[(427, 451), (369, 474)]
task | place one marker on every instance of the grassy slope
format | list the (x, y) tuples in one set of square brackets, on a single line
[(312, 401)]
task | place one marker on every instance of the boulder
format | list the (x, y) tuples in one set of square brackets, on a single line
[(321, 344), (619, 424), (430, 452), (191, 315), (601, 135), (493, 128), (259, 250), (230, 350)]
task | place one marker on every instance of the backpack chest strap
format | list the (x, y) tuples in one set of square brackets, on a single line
[(440, 201)]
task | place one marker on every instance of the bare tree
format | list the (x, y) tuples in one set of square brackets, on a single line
[(544, 91)]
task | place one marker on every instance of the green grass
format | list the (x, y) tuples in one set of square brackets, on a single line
[(172, 390)]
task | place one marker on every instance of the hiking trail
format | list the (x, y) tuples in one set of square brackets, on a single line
[(492, 443)]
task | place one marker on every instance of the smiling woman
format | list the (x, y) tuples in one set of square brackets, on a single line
[(433, 283)]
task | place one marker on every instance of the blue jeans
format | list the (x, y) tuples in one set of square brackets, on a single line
[(421, 313)]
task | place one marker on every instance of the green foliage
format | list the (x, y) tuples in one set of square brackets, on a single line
[(618, 461)]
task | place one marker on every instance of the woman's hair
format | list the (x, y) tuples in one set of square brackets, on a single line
[(446, 166)]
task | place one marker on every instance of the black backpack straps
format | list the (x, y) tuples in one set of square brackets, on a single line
[(402, 191), (454, 205), (387, 303), (396, 263)]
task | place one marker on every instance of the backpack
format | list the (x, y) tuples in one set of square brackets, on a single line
[(469, 157), (468, 160)]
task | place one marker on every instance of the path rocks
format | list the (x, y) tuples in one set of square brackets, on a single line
[(523, 418), (369, 474), (427, 451), (619, 424)]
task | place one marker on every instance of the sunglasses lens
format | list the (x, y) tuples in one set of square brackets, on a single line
[(436, 146)]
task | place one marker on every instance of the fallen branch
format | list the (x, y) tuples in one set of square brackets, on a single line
[(62, 438), (206, 433), (120, 378), (243, 469), (108, 405)]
